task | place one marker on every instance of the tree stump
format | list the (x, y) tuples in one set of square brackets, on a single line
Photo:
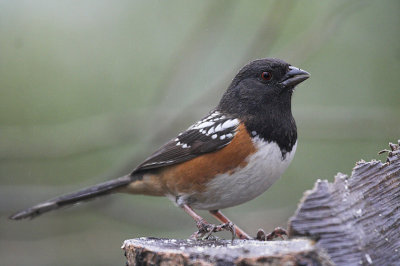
[(356, 219), (353, 221), (155, 251)]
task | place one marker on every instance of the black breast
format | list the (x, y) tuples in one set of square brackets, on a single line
[(279, 128)]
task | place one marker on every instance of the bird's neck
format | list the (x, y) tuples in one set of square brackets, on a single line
[(274, 125)]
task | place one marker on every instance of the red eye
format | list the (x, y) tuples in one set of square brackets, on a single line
[(266, 76)]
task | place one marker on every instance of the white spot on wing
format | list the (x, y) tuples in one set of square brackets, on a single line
[(222, 137), (230, 123), (214, 136), (183, 145), (210, 131), (159, 162), (214, 114), (218, 128), (201, 125)]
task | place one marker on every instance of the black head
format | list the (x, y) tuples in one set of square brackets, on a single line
[(261, 84), (260, 95)]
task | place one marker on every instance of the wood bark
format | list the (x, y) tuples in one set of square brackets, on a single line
[(353, 221), (356, 219)]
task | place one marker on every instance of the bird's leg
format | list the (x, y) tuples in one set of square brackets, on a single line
[(239, 232), (205, 228)]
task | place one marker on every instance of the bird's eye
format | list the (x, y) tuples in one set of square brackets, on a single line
[(266, 76)]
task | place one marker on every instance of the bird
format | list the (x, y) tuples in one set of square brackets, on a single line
[(230, 156)]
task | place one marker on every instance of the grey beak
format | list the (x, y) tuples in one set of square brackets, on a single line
[(294, 76)]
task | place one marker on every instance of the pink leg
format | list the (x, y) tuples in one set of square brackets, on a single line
[(194, 215), (205, 228), (239, 232)]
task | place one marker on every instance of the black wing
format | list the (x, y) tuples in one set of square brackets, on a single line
[(210, 134)]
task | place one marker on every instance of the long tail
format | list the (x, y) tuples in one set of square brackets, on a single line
[(81, 195)]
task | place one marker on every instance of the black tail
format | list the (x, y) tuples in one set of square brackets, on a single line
[(81, 195)]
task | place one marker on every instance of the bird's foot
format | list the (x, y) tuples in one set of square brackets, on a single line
[(277, 232), (206, 229)]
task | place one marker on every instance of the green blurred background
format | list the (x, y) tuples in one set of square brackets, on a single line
[(90, 88)]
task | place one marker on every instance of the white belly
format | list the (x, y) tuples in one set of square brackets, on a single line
[(263, 169)]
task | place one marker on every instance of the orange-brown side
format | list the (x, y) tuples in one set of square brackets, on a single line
[(193, 175)]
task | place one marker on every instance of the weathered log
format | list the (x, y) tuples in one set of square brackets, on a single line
[(353, 221), (155, 251), (356, 219)]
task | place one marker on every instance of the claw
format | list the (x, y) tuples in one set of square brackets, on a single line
[(206, 230), (210, 231), (232, 228), (260, 235), (278, 232)]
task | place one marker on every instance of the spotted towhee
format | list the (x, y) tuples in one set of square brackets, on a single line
[(230, 156)]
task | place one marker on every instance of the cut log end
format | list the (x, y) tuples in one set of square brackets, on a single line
[(155, 251)]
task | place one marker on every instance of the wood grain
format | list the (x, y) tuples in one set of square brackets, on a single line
[(356, 219)]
